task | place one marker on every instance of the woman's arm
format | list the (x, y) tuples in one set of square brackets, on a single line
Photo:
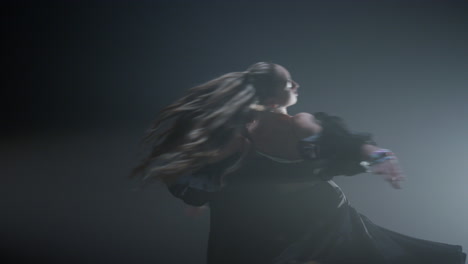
[(333, 140)]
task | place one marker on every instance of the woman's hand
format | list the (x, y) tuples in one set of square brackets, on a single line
[(390, 170)]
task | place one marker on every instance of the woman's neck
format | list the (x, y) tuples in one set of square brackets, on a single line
[(279, 110), (273, 115)]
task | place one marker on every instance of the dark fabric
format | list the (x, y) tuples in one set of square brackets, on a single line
[(201, 186), (337, 145), (198, 187), (256, 221), (336, 141), (190, 196)]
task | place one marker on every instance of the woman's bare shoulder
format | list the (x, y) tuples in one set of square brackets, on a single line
[(303, 115), (306, 125)]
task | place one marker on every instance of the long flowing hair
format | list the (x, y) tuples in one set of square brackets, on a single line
[(189, 133)]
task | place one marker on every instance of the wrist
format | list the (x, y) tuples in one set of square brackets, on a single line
[(380, 156), (376, 157), (367, 151)]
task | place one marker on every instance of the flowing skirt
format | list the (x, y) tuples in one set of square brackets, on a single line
[(258, 223)]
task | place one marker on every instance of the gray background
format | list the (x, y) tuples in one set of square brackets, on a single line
[(85, 78)]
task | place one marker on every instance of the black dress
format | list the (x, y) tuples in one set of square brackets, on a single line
[(255, 219)]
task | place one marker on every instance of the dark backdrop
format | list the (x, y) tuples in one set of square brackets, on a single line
[(83, 79)]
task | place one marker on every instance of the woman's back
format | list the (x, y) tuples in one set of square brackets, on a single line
[(277, 135)]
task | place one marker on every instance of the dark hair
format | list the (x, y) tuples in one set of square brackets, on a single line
[(193, 130)]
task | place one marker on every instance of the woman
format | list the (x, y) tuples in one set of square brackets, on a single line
[(266, 176)]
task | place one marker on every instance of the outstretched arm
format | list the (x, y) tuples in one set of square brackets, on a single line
[(327, 137)]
